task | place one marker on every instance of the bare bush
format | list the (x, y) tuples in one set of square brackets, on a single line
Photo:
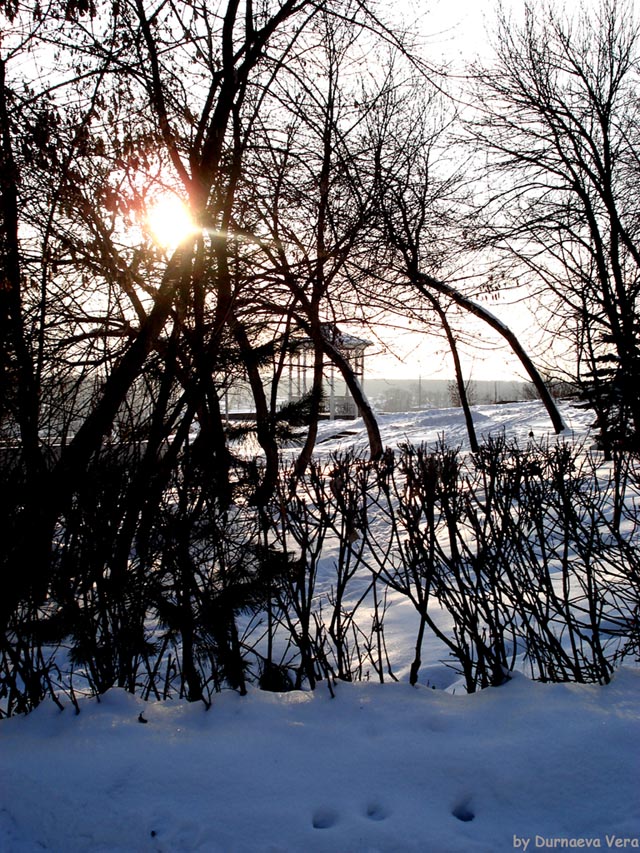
[(513, 557)]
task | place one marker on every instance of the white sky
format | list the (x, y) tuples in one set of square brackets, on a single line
[(454, 30)]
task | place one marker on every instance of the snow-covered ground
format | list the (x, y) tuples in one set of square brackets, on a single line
[(378, 768), (518, 420)]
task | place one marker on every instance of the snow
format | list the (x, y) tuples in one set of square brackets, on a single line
[(519, 421), (380, 768)]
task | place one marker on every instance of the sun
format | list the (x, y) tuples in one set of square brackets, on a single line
[(169, 221)]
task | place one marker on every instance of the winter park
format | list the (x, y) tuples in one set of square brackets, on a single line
[(319, 426)]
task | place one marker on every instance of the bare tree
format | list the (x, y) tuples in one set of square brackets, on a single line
[(117, 349), (311, 207), (88, 299), (421, 190), (558, 122)]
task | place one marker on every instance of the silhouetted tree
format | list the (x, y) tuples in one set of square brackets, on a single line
[(558, 122), (420, 213)]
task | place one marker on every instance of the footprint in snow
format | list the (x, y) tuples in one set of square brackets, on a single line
[(463, 811), (376, 811), (325, 818)]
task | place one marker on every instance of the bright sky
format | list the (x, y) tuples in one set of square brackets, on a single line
[(455, 30)]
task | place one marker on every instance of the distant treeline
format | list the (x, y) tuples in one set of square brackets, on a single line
[(400, 395)]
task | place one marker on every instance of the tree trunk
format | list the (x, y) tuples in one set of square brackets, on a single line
[(425, 282), (462, 391), (366, 412)]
